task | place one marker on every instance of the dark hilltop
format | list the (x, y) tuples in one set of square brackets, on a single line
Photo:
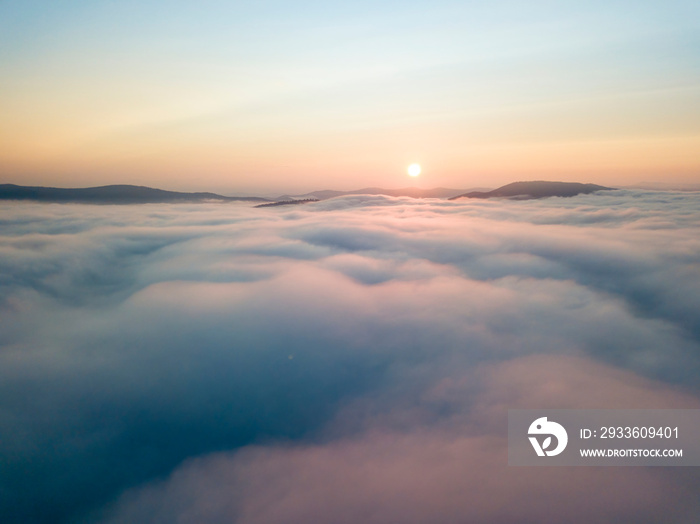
[(116, 194), (413, 192), (129, 194), (288, 202), (536, 189)]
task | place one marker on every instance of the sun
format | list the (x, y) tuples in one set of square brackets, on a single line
[(414, 169)]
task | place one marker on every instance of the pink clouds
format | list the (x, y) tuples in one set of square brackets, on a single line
[(351, 360), (453, 471)]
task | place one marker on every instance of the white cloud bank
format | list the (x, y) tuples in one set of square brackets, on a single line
[(350, 360)]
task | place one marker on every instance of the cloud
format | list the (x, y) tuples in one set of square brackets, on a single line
[(407, 467), (363, 337)]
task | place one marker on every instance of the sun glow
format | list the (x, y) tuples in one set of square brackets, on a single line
[(414, 169)]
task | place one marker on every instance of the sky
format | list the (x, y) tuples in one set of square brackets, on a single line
[(349, 360), (272, 97)]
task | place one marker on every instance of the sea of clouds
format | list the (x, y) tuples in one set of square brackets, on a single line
[(345, 361)]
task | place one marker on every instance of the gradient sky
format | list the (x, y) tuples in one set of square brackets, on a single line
[(271, 96)]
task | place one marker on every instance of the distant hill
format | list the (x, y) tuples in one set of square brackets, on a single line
[(414, 192), (128, 194), (535, 189), (288, 202), (118, 194)]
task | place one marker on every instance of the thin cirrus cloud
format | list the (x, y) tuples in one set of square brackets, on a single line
[(346, 360)]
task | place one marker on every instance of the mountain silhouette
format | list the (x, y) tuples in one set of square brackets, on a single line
[(129, 194), (115, 194), (535, 189), (414, 192), (288, 202)]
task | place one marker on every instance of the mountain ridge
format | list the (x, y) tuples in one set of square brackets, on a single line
[(132, 194), (535, 189), (413, 192), (112, 194)]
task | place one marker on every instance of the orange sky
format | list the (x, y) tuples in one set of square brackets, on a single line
[(261, 100)]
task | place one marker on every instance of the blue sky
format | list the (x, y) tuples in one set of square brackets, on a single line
[(225, 95)]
